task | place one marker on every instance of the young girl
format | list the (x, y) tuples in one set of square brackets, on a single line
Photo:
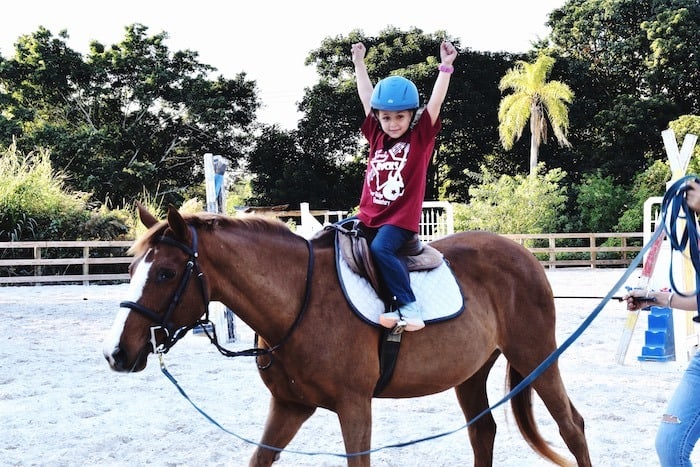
[(395, 180)]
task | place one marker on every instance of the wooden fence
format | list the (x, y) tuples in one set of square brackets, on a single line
[(107, 261), (79, 261), (582, 249)]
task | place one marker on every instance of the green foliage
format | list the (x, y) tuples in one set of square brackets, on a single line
[(126, 118), (287, 174), (631, 67), (600, 202), (514, 204), (651, 182), (105, 224), (239, 192), (32, 199), (135, 117), (35, 203)]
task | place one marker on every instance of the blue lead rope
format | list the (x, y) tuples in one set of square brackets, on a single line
[(673, 199), (675, 207)]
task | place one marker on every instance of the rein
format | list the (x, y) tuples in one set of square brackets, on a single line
[(257, 351)]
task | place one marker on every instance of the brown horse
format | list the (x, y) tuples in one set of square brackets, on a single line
[(286, 289)]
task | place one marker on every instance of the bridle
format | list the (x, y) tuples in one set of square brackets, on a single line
[(163, 323)]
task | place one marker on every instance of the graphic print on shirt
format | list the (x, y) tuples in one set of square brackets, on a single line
[(384, 179)]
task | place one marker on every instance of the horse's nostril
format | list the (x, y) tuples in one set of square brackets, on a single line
[(116, 359)]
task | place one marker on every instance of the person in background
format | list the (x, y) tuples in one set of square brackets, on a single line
[(220, 166), (394, 186), (680, 424)]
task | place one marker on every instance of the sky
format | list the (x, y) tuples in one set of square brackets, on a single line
[(269, 40)]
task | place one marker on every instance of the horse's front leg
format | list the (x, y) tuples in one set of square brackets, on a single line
[(356, 425), (283, 421)]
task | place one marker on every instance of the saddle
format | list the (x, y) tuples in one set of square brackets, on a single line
[(354, 247)]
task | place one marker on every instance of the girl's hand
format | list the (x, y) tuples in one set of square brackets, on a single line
[(448, 53), (358, 52)]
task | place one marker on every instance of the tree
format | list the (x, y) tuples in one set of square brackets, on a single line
[(126, 119), (633, 69), (601, 201), (515, 204), (285, 174), (536, 100)]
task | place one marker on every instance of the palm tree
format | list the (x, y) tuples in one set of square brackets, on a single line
[(537, 100)]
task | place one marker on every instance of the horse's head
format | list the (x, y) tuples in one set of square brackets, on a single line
[(167, 293)]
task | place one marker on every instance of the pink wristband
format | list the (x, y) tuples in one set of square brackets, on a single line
[(446, 68)]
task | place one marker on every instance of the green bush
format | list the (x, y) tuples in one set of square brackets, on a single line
[(600, 202), (651, 182), (36, 204), (514, 204)]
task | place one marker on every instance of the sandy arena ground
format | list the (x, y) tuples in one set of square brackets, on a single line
[(61, 405)]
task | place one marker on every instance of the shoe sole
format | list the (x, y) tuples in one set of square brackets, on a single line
[(389, 323), (414, 326)]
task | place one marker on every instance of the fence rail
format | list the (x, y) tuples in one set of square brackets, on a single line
[(49, 262), (582, 249), (85, 261)]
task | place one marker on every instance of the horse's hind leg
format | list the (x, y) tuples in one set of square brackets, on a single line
[(550, 388), (283, 421), (473, 399)]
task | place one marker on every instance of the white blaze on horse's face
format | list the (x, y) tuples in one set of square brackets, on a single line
[(136, 285)]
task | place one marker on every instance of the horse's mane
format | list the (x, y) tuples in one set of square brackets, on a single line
[(211, 222)]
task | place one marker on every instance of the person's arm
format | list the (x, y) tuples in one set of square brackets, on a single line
[(364, 85), (635, 299), (448, 54), (660, 298)]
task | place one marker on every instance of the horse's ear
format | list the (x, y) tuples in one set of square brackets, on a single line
[(177, 223), (146, 217)]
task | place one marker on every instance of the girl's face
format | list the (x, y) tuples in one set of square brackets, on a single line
[(395, 124)]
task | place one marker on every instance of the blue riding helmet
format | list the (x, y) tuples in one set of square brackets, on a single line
[(395, 93)]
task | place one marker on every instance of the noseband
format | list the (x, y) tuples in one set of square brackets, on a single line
[(164, 322)]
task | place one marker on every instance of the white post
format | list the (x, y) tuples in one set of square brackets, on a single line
[(209, 182), (437, 220), (222, 317), (309, 224), (685, 336)]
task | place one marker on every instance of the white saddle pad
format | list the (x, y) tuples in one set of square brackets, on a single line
[(437, 292)]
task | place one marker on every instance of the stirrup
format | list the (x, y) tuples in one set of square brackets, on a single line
[(400, 326)]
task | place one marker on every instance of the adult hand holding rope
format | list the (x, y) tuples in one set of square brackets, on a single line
[(681, 202)]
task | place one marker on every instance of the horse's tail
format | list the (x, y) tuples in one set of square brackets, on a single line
[(521, 405)]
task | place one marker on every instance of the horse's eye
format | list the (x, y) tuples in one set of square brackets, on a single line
[(164, 275)]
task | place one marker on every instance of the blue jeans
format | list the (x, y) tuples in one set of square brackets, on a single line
[(680, 425), (392, 269)]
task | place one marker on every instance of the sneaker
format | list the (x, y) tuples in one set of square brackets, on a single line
[(411, 314)]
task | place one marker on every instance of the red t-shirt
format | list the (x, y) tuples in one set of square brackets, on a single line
[(395, 178)]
